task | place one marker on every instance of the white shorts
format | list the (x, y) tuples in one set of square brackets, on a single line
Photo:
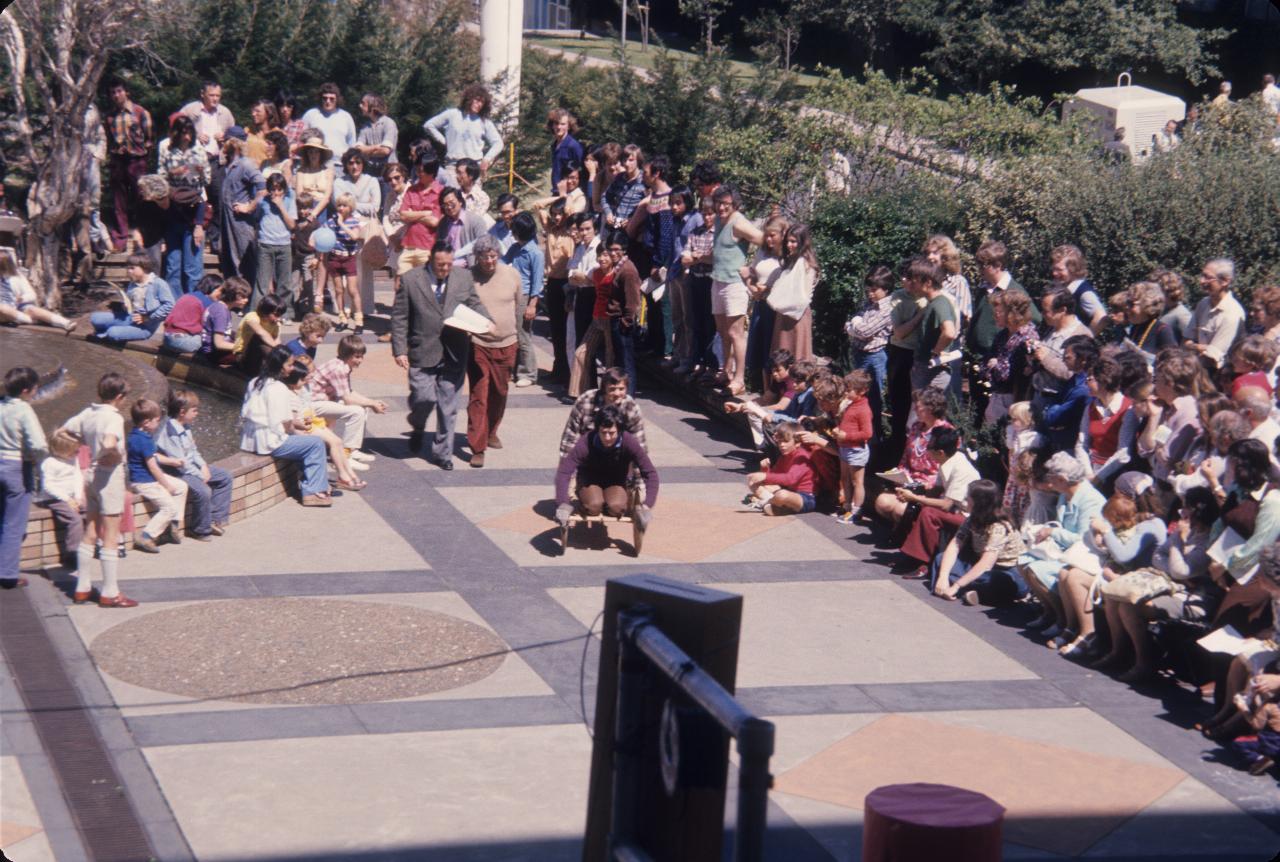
[(729, 298), (104, 491)]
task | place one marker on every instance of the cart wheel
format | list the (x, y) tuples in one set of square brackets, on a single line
[(637, 536), (564, 539)]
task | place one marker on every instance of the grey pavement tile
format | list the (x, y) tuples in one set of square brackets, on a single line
[(547, 637), (807, 699), (19, 737), (488, 477), (971, 694), (419, 581), (55, 816), (464, 714), (240, 725), (194, 587)]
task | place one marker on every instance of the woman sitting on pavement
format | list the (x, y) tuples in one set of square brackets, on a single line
[(1181, 591), (1077, 505), (981, 559), (603, 460), (920, 469), (270, 427), (1125, 542)]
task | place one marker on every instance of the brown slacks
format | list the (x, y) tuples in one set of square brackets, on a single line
[(488, 375), (611, 499)]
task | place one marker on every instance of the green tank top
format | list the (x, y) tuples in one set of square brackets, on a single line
[(728, 253)]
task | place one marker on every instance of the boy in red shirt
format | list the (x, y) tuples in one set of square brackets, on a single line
[(785, 488), (852, 434)]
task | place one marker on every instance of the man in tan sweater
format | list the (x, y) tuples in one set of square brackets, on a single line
[(493, 355)]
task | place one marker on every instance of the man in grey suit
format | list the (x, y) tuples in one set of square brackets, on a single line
[(435, 355)]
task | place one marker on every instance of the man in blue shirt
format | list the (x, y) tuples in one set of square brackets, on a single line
[(526, 257)]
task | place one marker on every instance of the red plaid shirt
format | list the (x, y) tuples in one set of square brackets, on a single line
[(331, 381), (129, 131)]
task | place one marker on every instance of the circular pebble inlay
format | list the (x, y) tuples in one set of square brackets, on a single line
[(298, 651)]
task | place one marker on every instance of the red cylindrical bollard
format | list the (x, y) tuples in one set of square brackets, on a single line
[(926, 822)]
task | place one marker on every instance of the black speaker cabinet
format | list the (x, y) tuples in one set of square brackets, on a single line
[(679, 816)]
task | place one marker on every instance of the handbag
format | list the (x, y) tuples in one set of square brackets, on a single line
[(790, 291), (1140, 585)]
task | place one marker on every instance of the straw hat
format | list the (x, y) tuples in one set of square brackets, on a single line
[(316, 145)]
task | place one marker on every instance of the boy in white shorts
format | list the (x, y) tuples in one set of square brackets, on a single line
[(101, 427)]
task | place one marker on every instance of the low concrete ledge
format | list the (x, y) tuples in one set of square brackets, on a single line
[(259, 481)]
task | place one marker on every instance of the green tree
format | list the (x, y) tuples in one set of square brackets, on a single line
[(707, 13), (53, 61), (978, 40)]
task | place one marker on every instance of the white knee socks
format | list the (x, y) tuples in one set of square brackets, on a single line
[(84, 565)]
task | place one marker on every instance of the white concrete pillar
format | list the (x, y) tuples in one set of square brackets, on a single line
[(501, 31)]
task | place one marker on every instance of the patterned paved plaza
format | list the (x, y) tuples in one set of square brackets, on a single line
[(398, 677)]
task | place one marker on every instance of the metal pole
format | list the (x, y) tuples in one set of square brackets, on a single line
[(511, 168), (627, 733), (755, 747)]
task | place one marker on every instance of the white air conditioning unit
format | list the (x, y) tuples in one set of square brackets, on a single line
[(1140, 111)]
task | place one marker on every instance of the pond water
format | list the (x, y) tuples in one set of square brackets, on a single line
[(69, 369)]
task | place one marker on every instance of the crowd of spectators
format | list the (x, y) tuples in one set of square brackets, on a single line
[(1128, 483)]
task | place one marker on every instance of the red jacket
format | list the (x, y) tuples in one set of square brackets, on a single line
[(855, 424), (792, 472)]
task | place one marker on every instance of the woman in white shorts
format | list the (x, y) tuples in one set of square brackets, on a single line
[(729, 295)]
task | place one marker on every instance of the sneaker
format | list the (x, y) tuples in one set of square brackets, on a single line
[(754, 505), (1260, 766), (361, 455), (748, 499), (357, 465), (146, 544), (846, 518), (969, 597), (218, 529), (494, 442), (523, 382), (477, 459)]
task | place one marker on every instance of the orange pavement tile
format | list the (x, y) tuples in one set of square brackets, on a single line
[(682, 530), (11, 833), (1058, 799)]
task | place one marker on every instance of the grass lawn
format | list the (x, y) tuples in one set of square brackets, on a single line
[(601, 48)]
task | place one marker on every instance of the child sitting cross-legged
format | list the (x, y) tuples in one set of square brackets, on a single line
[(787, 487), (208, 486), (150, 481), (980, 563)]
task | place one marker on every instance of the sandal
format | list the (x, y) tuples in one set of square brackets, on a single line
[(357, 486)]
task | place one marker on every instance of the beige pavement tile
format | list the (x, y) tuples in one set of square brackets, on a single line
[(22, 834), (841, 632), (323, 796), (513, 678), (286, 539)]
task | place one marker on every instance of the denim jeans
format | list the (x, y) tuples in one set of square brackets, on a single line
[(275, 262), (182, 342), (310, 451), (210, 502), (876, 364), (118, 327), (16, 485), (624, 351), (183, 260), (999, 585)]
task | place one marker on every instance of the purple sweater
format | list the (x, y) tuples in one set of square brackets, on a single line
[(596, 465)]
